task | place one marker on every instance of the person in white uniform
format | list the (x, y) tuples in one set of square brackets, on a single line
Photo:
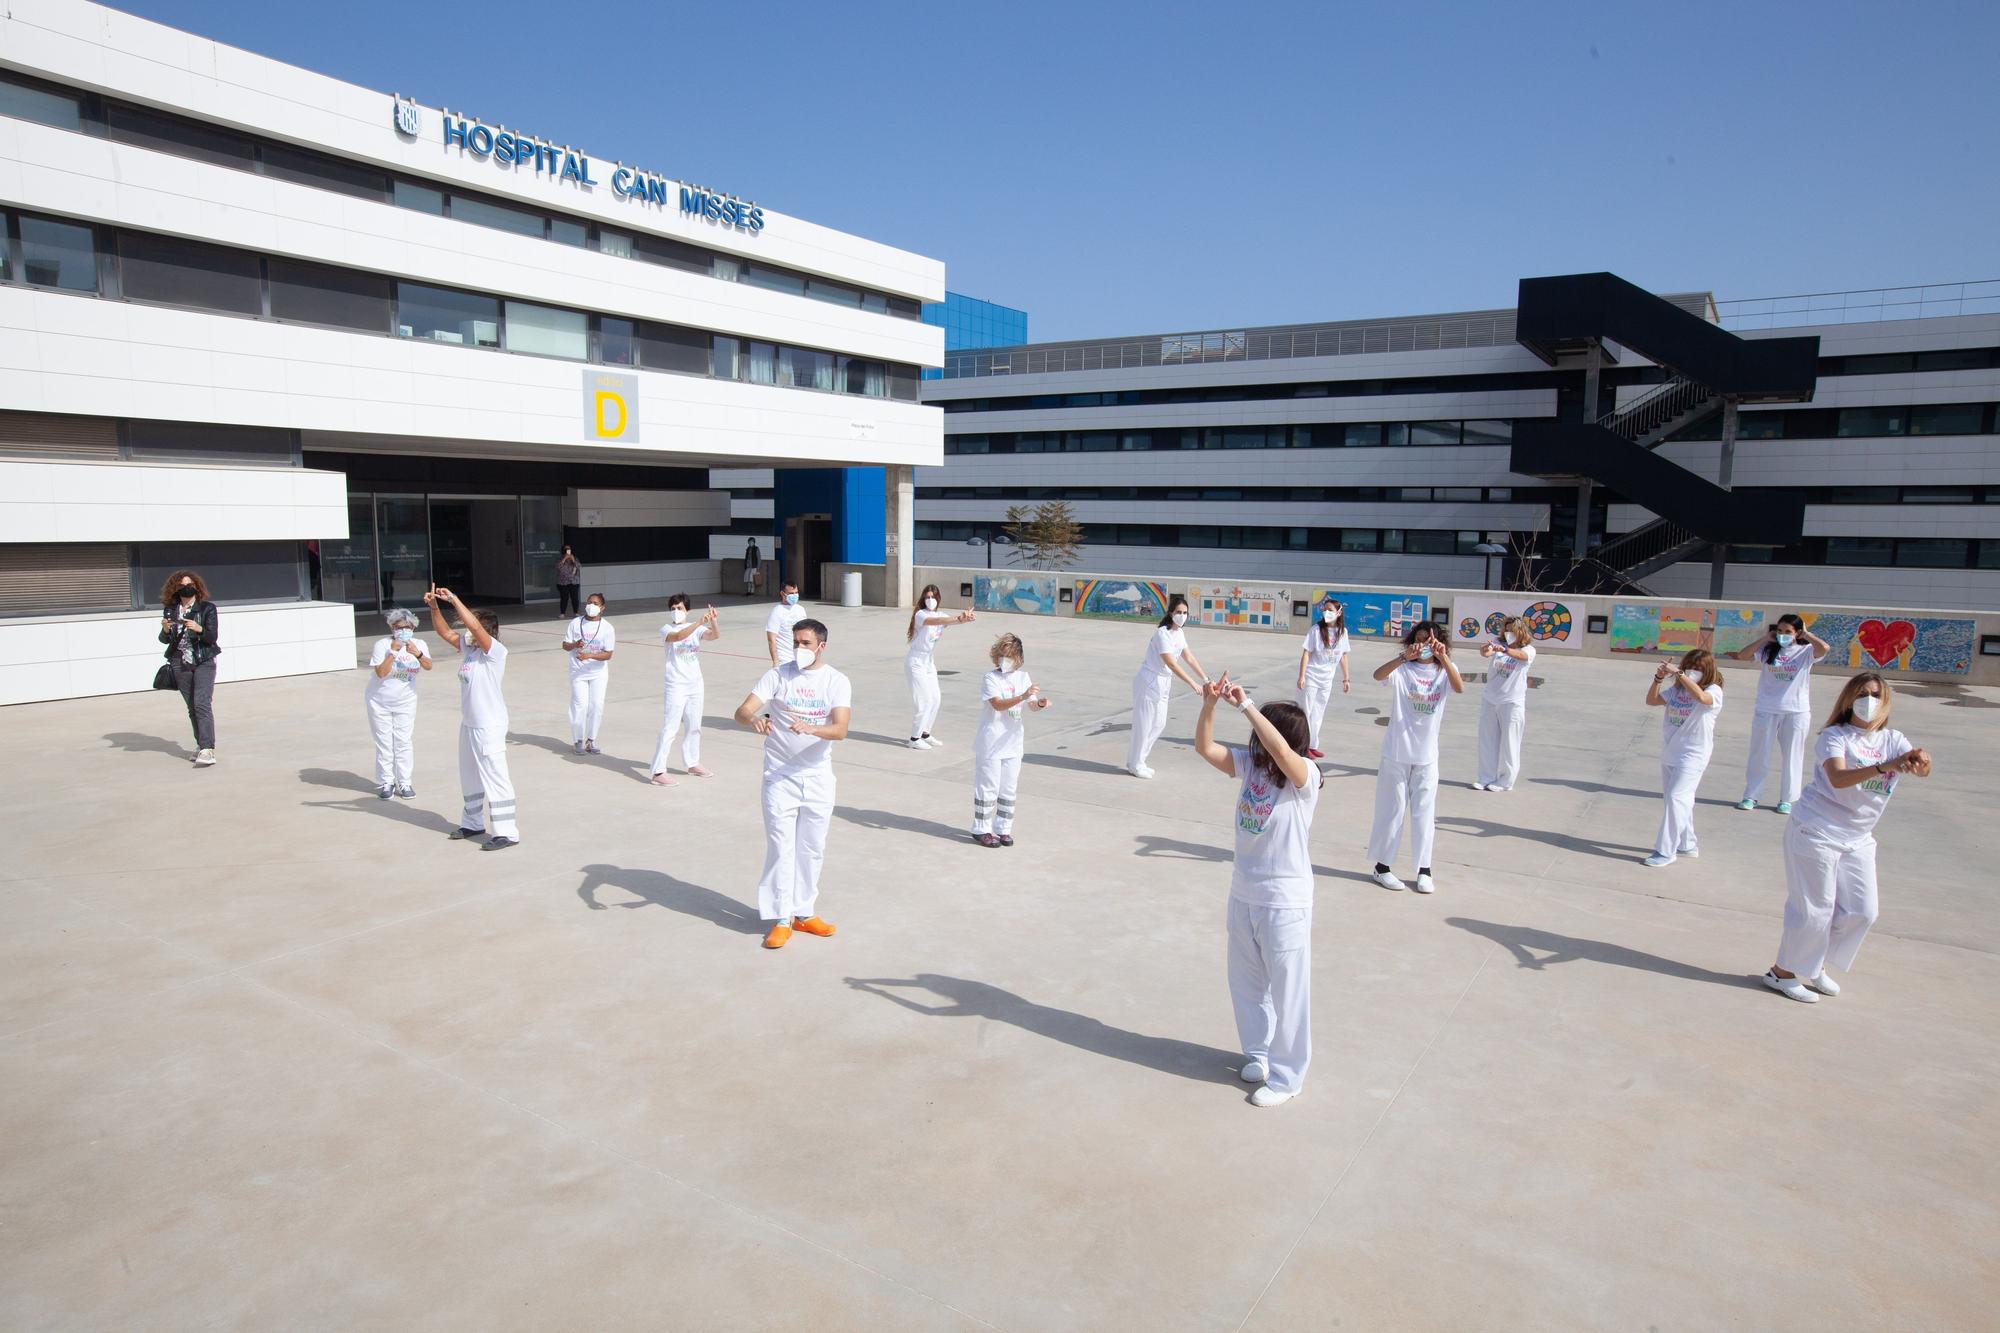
[(1503, 706), (1152, 687), (1270, 887), (391, 696), (927, 626), (1830, 893), (590, 640), (1690, 693), (778, 625), (482, 723), (1005, 696), (800, 708), (1787, 652), (685, 688), (1323, 652), (1422, 678)]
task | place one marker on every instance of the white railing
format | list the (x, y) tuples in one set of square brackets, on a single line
[(1863, 306)]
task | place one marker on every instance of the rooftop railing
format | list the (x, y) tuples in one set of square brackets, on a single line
[(1864, 306)]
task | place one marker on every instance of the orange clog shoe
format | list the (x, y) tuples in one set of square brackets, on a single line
[(779, 934), (812, 925)]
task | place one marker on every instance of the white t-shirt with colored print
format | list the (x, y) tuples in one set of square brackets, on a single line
[(1507, 677), (1418, 693), (684, 654), (1784, 681), (1273, 864), (806, 696), (1687, 732), (481, 704), (924, 642), (1849, 815), (1166, 642), (1003, 732), (400, 685), (596, 636), (1322, 658)]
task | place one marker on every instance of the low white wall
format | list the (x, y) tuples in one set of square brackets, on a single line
[(664, 578), (69, 657)]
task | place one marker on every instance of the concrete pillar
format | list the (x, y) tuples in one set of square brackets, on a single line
[(899, 503), (1725, 467), (1593, 366)]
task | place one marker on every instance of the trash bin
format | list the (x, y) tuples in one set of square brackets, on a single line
[(850, 588)]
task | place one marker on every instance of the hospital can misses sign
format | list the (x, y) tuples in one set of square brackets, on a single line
[(524, 152), (611, 407)]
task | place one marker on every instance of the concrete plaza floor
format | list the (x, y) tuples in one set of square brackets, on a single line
[(275, 1053)]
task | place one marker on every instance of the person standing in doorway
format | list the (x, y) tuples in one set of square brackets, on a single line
[(1152, 687), (191, 629), (927, 626), (1830, 893), (753, 559), (1503, 706), (808, 705), (1000, 740), (569, 581), (1691, 695), (778, 625), (1786, 656), (1270, 887), (1324, 650), (394, 665), (686, 691), (589, 641), (1422, 678), (482, 722)]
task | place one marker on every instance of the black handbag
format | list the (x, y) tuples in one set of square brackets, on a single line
[(163, 679)]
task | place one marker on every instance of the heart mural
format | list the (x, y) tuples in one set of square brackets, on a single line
[(1885, 640)]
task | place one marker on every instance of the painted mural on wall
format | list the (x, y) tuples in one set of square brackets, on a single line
[(1241, 607), (1907, 643), (1642, 627), (1121, 599), (1736, 628), (1553, 622), (1033, 595), (1377, 615)]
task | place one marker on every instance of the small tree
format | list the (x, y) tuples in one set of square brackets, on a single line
[(1046, 536)]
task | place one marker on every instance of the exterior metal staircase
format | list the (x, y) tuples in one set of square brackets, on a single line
[(1650, 420)]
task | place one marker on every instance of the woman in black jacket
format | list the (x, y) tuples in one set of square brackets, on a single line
[(188, 628)]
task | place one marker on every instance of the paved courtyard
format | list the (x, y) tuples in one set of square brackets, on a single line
[(275, 1054)]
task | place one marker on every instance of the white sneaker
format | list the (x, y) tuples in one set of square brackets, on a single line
[(204, 758), (1140, 772), (1479, 786), (1824, 984), (1691, 853), (933, 742), (1425, 884), (916, 743), (1254, 1072), (1266, 1095), (1656, 861), (1387, 879), (1791, 988)]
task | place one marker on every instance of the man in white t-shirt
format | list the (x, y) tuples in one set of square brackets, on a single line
[(778, 625), (800, 707), (482, 725)]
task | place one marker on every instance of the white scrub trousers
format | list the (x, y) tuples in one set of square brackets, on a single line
[(994, 782), (1270, 987), (1314, 699), (1404, 790), (482, 776), (1152, 694), (1678, 783), (1789, 731), (797, 811), (395, 756), (586, 705), (1500, 728), (683, 713), (1830, 900), (924, 695)]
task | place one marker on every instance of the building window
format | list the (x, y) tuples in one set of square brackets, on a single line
[(172, 271), (614, 342), (183, 138), (445, 316), (670, 253), (465, 208), (614, 243), (419, 198), (804, 369), (547, 331), (64, 111), (725, 365), (774, 279), (1434, 432), (1427, 541), (834, 293), (58, 254), (903, 383), (1871, 421), (1757, 426), (1363, 435), (1360, 539), (1860, 551), (864, 376), (325, 173), (1933, 552), (322, 294), (680, 351), (1948, 419), (565, 232), (1489, 432), (760, 362)]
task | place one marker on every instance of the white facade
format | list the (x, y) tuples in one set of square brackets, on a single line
[(110, 356)]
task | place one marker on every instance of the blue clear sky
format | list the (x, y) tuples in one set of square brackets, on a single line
[(1129, 168)]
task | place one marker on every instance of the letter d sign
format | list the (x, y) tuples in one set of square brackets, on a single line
[(611, 407)]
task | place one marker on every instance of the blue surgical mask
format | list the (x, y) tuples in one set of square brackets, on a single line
[(1423, 652), (791, 599), (1786, 640), (403, 635)]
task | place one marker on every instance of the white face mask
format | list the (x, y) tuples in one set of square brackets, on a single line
[(1180, 619), (805, 657), (593, 610), (1007, 664), (1866, 706), (930, 603), (402, 636), (679, 614)]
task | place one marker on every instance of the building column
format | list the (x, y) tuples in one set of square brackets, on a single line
[(1725, 467), (899, 503)]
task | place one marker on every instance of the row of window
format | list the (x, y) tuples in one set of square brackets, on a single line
[(1906, 552), (1293, 494), (1401, 541), (167, 270), (1825, 423), (1350, 435), (87, 113)]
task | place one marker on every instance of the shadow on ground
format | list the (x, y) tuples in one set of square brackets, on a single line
[(1173, 849), (976, 999), (885, 819), (1568, 842), (1539, 949), (650, 888), (137, 742), (637, 769), (1601, 789)]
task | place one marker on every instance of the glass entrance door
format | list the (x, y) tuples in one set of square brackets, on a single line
[(347, 564), (403, 539), (541, 543)]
